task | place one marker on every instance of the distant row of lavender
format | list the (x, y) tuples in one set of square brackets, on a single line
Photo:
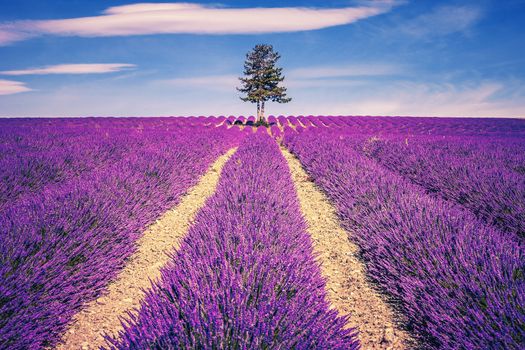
[(378, 125), (408, 126), (46, 152), (483, 170), (488, 151), (62, 244), (244, 276), (485, 175), (459, 283), (30, 161), (411, 125)]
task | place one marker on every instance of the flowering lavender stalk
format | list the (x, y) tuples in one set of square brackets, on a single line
[(244, 276)]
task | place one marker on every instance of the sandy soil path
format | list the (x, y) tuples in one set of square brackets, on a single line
[(125, 293), (347, 287)]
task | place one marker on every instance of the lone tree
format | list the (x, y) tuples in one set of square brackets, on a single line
[(261, 79)]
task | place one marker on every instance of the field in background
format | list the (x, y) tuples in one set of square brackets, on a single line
[(436, 207)]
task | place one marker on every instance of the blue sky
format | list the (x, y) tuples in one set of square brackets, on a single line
[(386, 57)]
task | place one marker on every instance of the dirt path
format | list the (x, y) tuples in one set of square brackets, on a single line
[(347, 287), (125, 293)]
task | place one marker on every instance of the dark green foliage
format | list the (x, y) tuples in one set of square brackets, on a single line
[(262, 122), (261, 78)]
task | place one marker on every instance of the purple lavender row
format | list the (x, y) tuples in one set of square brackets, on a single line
[(507, 153), (34, 154), (459, 283), (427, 126), (61, 247), (244, 276), (28, 171), (276, 131), (479, 182), (494, 152), (417, 125), (482, 173)]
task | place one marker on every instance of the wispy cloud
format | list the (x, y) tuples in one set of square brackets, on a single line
[(10, 33), (480, 98), (9, 87), (431, 99), (317, 76), (83, 68), (339, 76), (443, 20), (422, 99), (355, 70), (173, 18), (211, 82)]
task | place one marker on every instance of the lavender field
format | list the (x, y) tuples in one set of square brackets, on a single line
[(434, 208)]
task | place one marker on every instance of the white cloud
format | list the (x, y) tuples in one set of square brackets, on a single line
[(443, 20), (83, 68), (418, 99), (339, 76), (323, 83), (211, 82), (434, 100), (306, 77), (9, 87), (398, 98), (355, 70), (172, 18), (10, 34)]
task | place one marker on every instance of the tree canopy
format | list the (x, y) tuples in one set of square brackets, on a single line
[(262, 78)]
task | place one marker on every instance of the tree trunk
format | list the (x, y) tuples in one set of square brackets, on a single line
[(262, 118), (258, 110)]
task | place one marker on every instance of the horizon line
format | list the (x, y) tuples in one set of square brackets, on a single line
[(247, 116)]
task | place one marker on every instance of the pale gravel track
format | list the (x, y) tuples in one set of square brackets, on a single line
[(126, 292), (347, 287)]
